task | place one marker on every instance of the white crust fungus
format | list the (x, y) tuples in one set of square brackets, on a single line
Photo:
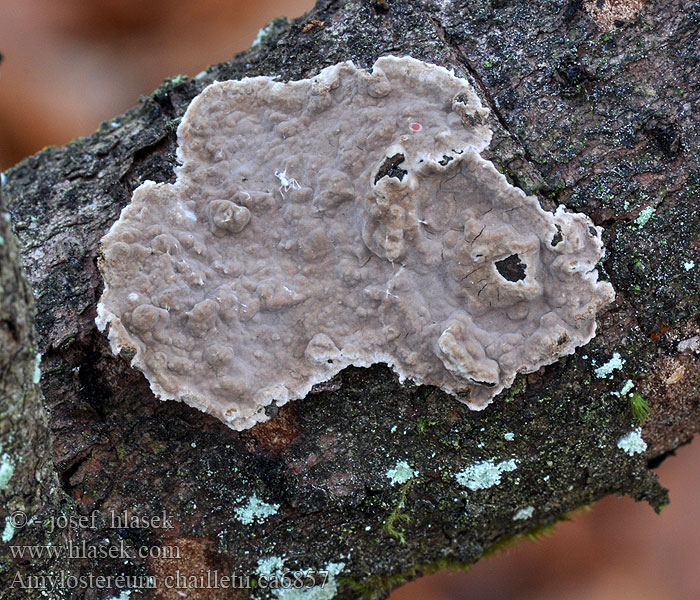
[(346, 219)]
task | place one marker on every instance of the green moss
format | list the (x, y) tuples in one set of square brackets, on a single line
[(172, 125), (172, 82), (534, 534), (519, 386), (378, 586), (397, 516), (423, 421), (639, 407)]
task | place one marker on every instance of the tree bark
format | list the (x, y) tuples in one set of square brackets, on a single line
[(30, 493), (592, 107)]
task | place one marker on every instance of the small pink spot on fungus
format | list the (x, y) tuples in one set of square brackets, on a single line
[(415, 127)]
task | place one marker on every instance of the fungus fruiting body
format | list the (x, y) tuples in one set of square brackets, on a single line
[(345, 219)]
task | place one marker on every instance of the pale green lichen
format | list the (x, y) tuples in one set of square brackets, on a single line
[(626, 388), (689, 265), (524, 513), (37, 370), (255, 510), (326, 584), (267, 567), (632, 443), (509, 436), (484, 474), (125, 595), (2, 240), (644, 216), (263, 33), (401, 473), (616, 362), (327, 591), (9, 531), (7, 468)]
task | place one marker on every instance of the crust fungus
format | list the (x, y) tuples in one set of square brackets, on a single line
[(346, 219)]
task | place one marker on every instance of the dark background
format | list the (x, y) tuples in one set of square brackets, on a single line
[(71, 64)]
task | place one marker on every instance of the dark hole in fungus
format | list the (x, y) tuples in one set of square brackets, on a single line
[(592, 231), (484, 383), (463, 395), (445, 159), (127, 353), (557, 237), (511, 268), (390, 168), (468, 118)]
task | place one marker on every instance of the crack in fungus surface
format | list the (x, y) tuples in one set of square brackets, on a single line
[(346, 219)]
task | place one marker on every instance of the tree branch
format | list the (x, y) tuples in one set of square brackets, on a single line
[(600, 121)]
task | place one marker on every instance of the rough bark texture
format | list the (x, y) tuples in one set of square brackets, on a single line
[(601, 120), (29, 487)]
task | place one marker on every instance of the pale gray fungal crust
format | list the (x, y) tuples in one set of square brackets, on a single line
[(346, 219)]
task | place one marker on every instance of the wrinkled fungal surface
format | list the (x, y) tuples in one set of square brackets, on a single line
[(346, 219)]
